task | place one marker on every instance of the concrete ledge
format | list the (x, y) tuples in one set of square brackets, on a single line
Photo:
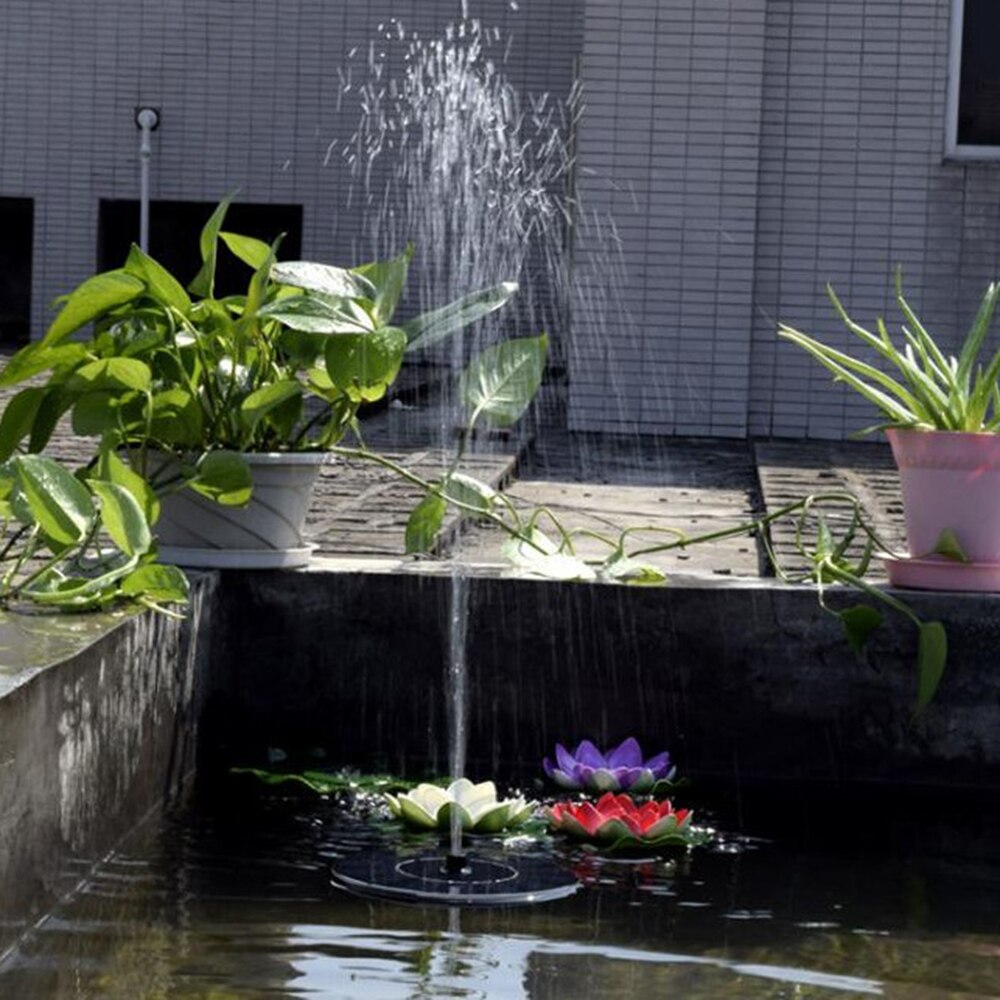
[(747, 679), (97, 722)]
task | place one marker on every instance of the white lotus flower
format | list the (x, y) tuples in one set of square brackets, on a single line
[(429, 807)]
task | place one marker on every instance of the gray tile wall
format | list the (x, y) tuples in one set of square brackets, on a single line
[(248, 91), (748, 151), (752, 151), (853, 183), (668, 146)]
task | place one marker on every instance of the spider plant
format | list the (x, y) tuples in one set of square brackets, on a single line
[(929, 389)]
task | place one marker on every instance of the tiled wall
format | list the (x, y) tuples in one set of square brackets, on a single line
[(249, 96), (771, 147), (747, 150), (669, 147), (853, 184)]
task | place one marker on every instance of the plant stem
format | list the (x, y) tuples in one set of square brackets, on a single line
[(436, 490)]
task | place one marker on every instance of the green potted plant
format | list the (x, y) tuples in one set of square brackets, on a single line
[(80, 543), (227, 406), (942, 415)]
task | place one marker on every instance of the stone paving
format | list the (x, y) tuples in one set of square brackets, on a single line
[(597, 483), (698, 486)]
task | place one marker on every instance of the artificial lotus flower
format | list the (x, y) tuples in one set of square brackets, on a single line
[(621, 769), (618, 821), (429, 807)]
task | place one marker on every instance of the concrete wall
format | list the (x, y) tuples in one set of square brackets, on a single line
[(354, 663), (752, 151), (97, 725)]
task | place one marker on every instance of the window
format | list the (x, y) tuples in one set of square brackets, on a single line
[(974, 80), (174, 227), (17, 221)]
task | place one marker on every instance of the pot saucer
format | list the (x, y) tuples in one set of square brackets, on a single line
[(938, 573), (206, 558)]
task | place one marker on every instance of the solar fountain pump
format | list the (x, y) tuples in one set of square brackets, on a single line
[(450, 875)]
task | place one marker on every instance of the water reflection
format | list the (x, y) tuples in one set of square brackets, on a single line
[(524, 968), (234, 900)]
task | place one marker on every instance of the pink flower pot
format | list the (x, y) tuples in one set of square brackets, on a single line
[(950, 480)]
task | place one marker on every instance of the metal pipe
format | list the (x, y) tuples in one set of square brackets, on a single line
[(147, 119)]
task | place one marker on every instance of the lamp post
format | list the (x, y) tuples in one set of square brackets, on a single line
[(147, 120)]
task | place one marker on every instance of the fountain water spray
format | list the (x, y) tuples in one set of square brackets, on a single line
[(449, 157)]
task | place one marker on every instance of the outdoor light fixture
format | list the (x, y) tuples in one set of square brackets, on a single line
[(147, 120)]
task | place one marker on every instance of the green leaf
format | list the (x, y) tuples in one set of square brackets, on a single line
[(429, 328), (424, 523), (949, 546), (262, 401), (502, 381), (932, 657), (285, 417), (363, 366), (329, 280), (326, 782), (203, 284), (317, 781), (163, 584), (113, 470), (247, 249), (388, 278), (257, 290), (59, 503), (977, 334), (8, 483), (36, 357), (122, 518), (177, 418), (311, 314), (824, 540), (224, 476), (302, 350), (18, 417), (95, 413), (113, 373), (56, 402), (160, 283), (859, 622), (905, 412), (470, 491), (92, 299), (79, 592)]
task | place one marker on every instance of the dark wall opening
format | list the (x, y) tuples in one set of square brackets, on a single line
[(174, 228), (17, 224)]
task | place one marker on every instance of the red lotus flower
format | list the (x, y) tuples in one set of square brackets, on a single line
[(617, 818)]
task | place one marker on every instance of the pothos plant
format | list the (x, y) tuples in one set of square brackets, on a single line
[(283, 367), (286, 367), (80, 543), (834, 536)]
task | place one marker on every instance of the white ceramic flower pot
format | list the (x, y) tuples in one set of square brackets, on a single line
[(266, 534)]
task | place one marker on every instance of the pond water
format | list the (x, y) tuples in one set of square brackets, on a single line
[(230, 899)]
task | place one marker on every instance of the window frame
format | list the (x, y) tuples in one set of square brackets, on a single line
[(953, 149)]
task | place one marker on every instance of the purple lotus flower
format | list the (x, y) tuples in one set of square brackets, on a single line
[(620, 769)]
